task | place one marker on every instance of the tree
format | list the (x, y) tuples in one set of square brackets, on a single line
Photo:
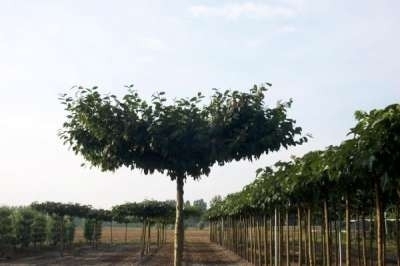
[(200, 204), (215, 200), (182, 139), (59, 211), (23, 226), (69, 231), (377, 136), (7, 237), (88, 230), (39, 229)]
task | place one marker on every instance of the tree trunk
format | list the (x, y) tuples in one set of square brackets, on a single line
[(287, 238), (300, 259), (271, 242), (62, 236), (143, 239), (358, 239), (371, 237), (326, 238), (178, 246), (309, 237), (364, 241), (111, 229), (126, 233), (148, 237), (276, 238), (397, 235), (380, 236), (265, 240), (348, 233)]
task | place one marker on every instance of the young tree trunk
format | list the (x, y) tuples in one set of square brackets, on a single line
[(265, 240), (397, 235), (62, 236), (371, 237), (271, 242), (94, 234), (276, 244), (358, 239), (287, 238), (148, 237), (326, 238), (178, 246), (142, 238), (126, 233), (158, 235), (111, 229), (348, 233), (380, 236), (300, 259), (309, 237), (364, 241)]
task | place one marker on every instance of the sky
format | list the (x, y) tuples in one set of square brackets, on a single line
[(331, 57)]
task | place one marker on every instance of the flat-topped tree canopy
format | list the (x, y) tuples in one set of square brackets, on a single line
[(62, 209), (146, 210), (184, 137)]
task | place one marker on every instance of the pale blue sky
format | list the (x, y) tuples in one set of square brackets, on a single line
[(331, 57)]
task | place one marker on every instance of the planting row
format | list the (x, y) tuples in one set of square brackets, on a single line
[(52, 223), (341, 203)]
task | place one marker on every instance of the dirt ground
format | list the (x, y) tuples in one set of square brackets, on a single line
[(198, 251)]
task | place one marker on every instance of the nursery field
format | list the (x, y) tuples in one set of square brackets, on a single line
[(198, 251)]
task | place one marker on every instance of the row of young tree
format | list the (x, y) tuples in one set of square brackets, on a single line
[(23, 227), (298, 211), (52, 223)]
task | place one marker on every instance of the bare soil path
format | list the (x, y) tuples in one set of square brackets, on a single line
[(198, 251)]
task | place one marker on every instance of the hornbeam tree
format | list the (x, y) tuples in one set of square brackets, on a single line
[(377, 136), (60, 210), (182, 138)]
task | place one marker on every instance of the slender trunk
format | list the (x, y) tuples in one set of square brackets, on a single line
[(252, 239), (300, 259), (371, 237), (280, 238), (142, 238), (364, 241), (94, 234), (309, 237), (326, 238), (287, 238), (111, 231), (148, 237), (126, 233), (348, 233), (210, 231), (265, 240), (397, 235), (340, 241), (62, 236), (314, 240), (259, 241), (178, 246), (335, 227), (276, 238), (358, 239), (380, 236), (271, 241), (158, 235)]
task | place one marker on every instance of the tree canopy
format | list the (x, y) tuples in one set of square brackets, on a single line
[(184, 137)]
